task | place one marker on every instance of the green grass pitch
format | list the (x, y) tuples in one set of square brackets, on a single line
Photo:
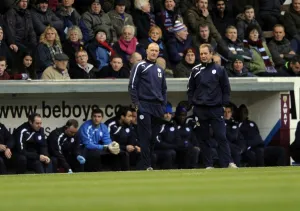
[(247, 189)]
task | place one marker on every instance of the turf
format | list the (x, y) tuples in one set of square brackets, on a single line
[(217, 189)]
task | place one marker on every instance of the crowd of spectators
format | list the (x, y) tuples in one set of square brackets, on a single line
[(105, 38)]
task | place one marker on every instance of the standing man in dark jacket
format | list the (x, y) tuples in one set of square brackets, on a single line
[(42, 16), (64, 148), (148, 90), (20, 25), (291, 20), (269, 11), (6, 144), (208, 92), (32, 150)]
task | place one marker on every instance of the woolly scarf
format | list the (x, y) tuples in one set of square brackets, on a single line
[(259, 45), (107, 47), (151, 19), (128, 47), (54, 49)]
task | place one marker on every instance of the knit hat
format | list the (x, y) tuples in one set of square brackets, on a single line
[(100, 29), (238, 58), (180, 109), (169, 108), (120, 2), (178, 26), (41, 1), (189, 50), (95, 1)]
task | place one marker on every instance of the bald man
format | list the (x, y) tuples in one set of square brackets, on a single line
[(148, 90)]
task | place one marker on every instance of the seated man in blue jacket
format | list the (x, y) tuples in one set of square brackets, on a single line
[(122, 131), (96, 142)]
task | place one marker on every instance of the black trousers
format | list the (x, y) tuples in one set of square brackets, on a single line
[(188, 157), (269, 21), (254, 157), (235, 154), (275, 156), (24, 164), (148, 124), (4, 162), (295, 153), (165, 158), (71, 160), (212, 116)]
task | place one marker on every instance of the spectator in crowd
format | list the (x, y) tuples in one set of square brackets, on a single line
[(234, 47), (280, 47), (31, 147), (209, 106), (204, 37), (291, 21), (99, 50), (261, 63), (26, 66), (167, 17), (238, 69), (148, 95), (246, 19), (7, 143), (109, 5), (199, 15), (64, 148), (155, 35), (295, 146), (128, 44), (115, 69), (7, 36), (239, 6), (178, 44), (73, 44), (188, 149), (59, 70), (71, 17), (42, 17), (121, 131), (5, 50), (95, 18), (166, 141), (48, 47), (183, 69), (119, 17), (222, 17), (234, 136), (5, 5), (160, 61), (143, 18), (96, 142), (82, 70), (133, 59), (292, 68), (4, 75), (269, 12), (20, 25)]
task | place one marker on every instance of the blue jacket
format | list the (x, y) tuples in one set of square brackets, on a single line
[(208, 86), (147, 83), (93, 137), (98, 55)]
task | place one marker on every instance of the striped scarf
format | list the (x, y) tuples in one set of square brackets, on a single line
[(54, 49), (151, 19), (261, 49)]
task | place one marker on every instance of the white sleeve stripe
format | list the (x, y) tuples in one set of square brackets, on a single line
[(21, 137), (197, 74), (147, 67), (132, 83), (119, 128), (30, 136), (58, 141), (88, 134), (162, 128)]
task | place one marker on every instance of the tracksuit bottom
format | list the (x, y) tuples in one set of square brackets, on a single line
[(71, 160), (23, 164)]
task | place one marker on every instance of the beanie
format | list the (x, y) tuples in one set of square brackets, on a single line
[(189, 50), (178, 26), (169, 108), (238, 58), (41, 1)]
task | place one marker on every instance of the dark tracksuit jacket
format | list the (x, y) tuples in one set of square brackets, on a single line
[(121, 134), (5, 137), (30, 143), (234, 136), (61, 145), (251, 134), (147, 83), (208, 86), (187, 136), (168, 138)]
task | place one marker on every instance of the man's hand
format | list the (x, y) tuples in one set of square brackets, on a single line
[(44, 159), (180, 54), (292, 52), (281, 56), (138, 149), (234, 52), (114, 148), (205, 12), (14, 47), (2, 148), (130, 148), (8, 153)]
